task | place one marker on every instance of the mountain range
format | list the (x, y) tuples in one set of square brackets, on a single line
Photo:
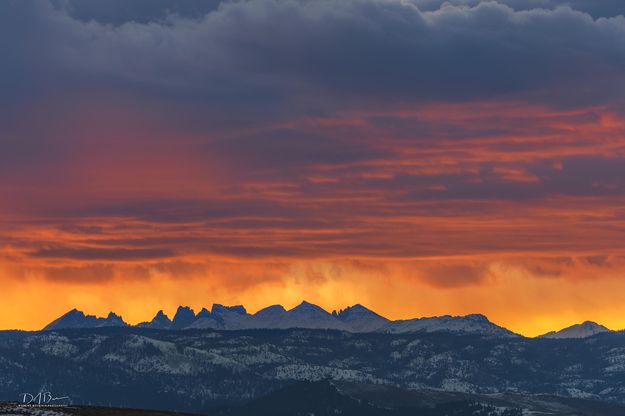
[(354, 319)]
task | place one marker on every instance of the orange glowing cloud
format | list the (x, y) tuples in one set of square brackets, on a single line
[(508, 209)]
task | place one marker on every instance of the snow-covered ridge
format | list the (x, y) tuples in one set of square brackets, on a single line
[(474, 324), (356, 318), (77, 319), (583, 330)]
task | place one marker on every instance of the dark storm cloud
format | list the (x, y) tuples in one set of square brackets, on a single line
[(596, 8), (206, 68), (302, 128), (117, 12), (311, 54)]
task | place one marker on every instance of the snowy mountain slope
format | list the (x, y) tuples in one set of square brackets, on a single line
[(304, 315), (273, 313), (360, 319), (583, 330), (470, 324)]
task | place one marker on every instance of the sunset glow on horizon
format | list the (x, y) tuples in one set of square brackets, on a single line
[(398, 158)]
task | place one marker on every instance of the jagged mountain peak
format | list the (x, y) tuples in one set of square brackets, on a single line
[(184, 317), (112, 317), (306, 304), (309, 307), (218, 308), (160, 321), (354, 309), (361, 319), (74, 313), (75, 318), (161, 316), (204, 313), (184, 310)]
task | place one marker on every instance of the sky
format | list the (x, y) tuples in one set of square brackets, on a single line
[(421, 157)]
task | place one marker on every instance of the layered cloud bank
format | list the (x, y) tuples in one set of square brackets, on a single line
[(463, 156)]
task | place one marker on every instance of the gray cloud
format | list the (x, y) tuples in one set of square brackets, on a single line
[(118, 12), (596, 8), (207, 68), (315, 55)]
